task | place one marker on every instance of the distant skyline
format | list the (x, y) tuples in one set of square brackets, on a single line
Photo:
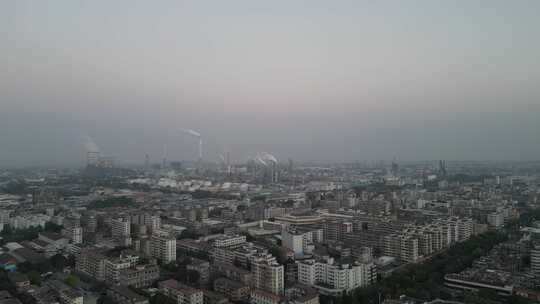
[(307, 80)]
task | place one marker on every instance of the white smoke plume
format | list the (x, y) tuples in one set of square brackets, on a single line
[(90, 145), (270, 157), (191, 132), (260, 160)]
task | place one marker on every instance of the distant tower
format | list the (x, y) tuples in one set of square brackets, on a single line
[(290, 168), (395, 167), (164, 163), (228, 163), (275, 173), (146, 162)]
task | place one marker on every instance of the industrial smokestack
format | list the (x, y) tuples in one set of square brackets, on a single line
[(200, 148), (164, 164), (228, 163), (198, 135)]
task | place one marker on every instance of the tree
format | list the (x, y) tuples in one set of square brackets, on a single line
[(72, 280), (105, 300), (7, 230), (192, 276), (278, 253), (34, 277), (181, 273), (5, 283), (52, 227), (189, 234), (25, 266), (112, 202), (237, 263), (160, 298), (58, 261)]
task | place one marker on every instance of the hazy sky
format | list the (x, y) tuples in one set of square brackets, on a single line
[(310, 80)]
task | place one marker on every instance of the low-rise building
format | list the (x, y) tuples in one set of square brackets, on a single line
[(234, 290), (202, 267), (232, 272), (229, 240), (181, 293), (139, 276), (264, 297), (211, 297), (124, 295), (70, 296)]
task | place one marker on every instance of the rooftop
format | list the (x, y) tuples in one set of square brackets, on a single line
[(174, 284)]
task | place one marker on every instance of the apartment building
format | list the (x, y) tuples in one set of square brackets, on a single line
[(229, 240), (163, 246), (124, 295), (264, 297), (113, 266), (91, 263), (333, 278), (458, 229), (202, 267), (401, 246), (121, 231), (139, 276), (335, 230), (234, 290), (297, 242), (267, 274), (181, 293), (232, 272), (120, 227)]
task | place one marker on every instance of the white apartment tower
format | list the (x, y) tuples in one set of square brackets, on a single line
[(163, 246)]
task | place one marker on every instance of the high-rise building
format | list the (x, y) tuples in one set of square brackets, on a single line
[(120, 227), (91, 263), (335, 230), (495, 219), (401, 246), (121, 231), (297, 242), (72, 229), (163, 246), (267, 274), (152, 222), (92, 159), (90, 223), (535, 260), (395, 167)]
